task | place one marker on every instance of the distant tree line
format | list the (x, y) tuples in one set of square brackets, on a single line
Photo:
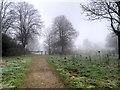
[(112, 43), (19, 22)]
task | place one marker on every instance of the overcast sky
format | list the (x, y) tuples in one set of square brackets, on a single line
[(94, 31)]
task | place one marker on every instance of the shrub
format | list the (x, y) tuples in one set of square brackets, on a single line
[(10, 47)]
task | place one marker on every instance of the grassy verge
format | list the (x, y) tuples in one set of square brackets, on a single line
[(82, 73), (13, 71)]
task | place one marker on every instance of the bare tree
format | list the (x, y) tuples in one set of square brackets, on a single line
[(6, 19), (106, 10), (28, 22), (48, 43), (49, 40), (6, 15), (63, 35)]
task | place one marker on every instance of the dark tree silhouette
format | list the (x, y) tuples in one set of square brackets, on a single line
[(105, 10), (6, 15), (28, 22)]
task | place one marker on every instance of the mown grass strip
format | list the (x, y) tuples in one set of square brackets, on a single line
[(13, 71)]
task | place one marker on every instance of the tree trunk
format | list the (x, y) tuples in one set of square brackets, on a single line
[(62, 50), (24, 51), (49, 51), (0, 31), (119, 52), (119, 40)]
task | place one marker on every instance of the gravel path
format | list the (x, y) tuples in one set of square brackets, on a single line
[(41, 75)]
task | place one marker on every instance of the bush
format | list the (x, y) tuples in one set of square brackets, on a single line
[(10, 47)]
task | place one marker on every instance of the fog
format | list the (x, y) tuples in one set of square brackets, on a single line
[(93, 31)]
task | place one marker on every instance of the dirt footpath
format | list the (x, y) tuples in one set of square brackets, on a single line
[(41, 75)]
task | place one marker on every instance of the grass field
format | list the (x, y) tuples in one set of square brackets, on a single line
[(87, 72), (13, 70)]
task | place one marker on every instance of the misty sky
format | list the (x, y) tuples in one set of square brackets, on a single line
[(94, 31)]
